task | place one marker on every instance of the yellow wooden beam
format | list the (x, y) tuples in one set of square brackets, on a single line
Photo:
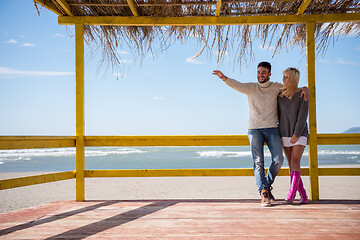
[(49, 6), (181, 172), (53, 177), (303, 6), (80, 145), (196, 140), (37, 179), (218, 7), (132, 6), (210, 172), (205, 140), (28, 142), (339, 171), (193, 21), (65, 6), (339, 139), (168, 172), (313, 157)]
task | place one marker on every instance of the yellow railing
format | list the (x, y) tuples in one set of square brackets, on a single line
[(37, 179), (21, 142), (28, 142)]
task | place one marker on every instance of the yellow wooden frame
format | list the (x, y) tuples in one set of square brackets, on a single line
[(80, 120), (313, 157), (65, 6), (197, 21), (239, 172), (303, 6), (132, 6), (218, 8), (49, 6), (37, 179), (80, 141), (28, 142)]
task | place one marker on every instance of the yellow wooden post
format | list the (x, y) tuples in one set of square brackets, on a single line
[(313, 157), (80, 146)]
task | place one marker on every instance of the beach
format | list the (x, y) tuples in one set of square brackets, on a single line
[(150, 188)]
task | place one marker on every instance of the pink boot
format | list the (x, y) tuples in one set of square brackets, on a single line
[(303, 197), (295, 179)]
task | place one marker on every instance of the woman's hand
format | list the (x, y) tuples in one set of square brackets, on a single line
[(294, 139)]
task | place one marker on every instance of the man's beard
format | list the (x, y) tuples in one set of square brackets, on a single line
[(265, 80)]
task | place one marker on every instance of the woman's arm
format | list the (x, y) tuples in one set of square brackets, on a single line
[(302, 118)]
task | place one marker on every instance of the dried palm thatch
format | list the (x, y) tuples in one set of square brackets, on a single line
[(235, 40)]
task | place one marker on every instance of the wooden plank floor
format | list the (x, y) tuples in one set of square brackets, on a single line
[(183, 219)]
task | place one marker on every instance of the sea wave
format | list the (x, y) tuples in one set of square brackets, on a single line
[(335, 152), (31, 154), (97, 153), (28, 154), (228, 154), (218, 154)]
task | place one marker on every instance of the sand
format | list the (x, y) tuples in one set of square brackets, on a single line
[(339, 187)]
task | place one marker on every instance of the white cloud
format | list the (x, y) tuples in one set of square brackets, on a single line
[(217, 53), (358, 47), (28, 44), (123, 52), (10, 71), (158, 98), (119, 75), (341, 61), (22, 36), (125, 61), (13, 41), (266, 47), (193, 61), (58, 35), (339, 28)]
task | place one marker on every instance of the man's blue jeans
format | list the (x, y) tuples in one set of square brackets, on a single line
[(271, 137)]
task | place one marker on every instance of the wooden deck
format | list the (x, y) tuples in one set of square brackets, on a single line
[(183, 219)]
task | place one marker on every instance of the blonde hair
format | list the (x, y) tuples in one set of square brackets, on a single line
[(291, 86)]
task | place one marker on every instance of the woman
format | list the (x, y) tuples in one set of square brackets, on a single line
[(293, 111)]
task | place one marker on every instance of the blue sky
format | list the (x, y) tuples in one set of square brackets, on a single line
[(166, 95)]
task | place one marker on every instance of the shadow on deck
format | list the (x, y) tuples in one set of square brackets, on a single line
[(183, 219)]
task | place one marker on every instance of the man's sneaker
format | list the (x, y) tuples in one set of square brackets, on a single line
[(265, 201), (272, 198)]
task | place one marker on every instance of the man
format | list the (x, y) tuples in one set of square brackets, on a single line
[(263, 128)]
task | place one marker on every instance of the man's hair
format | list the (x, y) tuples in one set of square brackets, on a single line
[(265, 65)]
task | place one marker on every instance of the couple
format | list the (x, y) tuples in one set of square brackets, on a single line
[(278, 114)]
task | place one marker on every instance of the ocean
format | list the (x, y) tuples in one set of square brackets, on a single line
[(63, 159)]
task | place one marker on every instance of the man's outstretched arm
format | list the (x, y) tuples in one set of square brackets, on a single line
[(238, 86), (220, 75)]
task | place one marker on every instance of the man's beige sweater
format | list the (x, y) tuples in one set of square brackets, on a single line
[(262, 99)]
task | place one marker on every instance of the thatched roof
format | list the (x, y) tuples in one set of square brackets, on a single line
[(235, 39)]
